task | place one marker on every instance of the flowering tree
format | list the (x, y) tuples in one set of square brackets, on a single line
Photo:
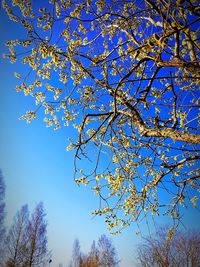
[(125, 75)]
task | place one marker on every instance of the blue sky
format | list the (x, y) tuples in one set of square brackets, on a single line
[(36, 167)]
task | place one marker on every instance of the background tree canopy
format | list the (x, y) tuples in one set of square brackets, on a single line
[(100, 255), (165, 249), (125, 75)]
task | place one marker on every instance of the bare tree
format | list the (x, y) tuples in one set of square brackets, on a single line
[(125, 75), (168, 249), (2, 217), (36, 237), (104, 254), (15, 241), (107, 253), (91, 259), (93, 256), (76, 254)]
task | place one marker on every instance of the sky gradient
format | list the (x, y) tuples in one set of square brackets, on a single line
[(36, 167)]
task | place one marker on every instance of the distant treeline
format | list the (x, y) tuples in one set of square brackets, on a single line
[(25, 244)]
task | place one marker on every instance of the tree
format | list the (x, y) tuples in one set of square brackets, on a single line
[(2, 216), (166, 249), (15, 240), (26, 242), (76, 254), (125, 75), (36, 246), (107, 253), (91, 259), (2, 206), (99, 256)]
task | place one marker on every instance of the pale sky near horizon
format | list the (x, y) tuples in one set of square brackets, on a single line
[(36, 167)]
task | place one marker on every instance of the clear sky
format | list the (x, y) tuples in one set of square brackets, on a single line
[(36, 167)]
